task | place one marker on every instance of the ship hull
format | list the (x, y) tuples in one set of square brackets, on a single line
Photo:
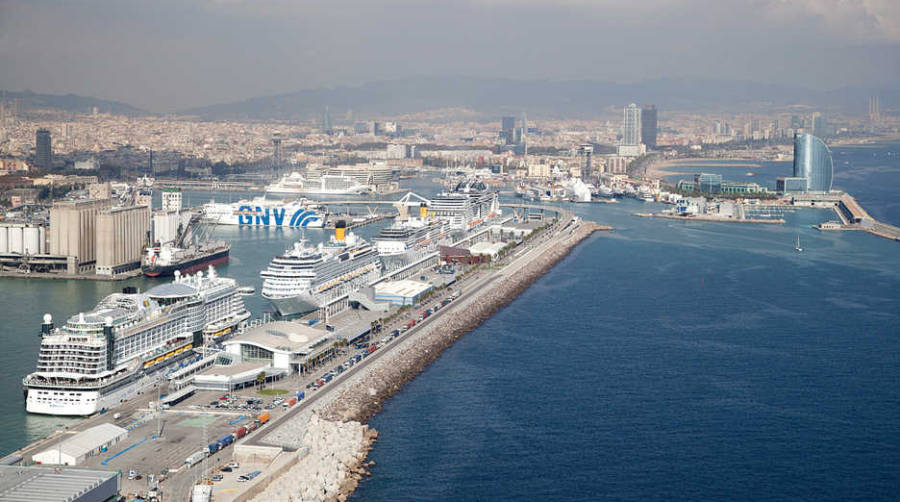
[(188, 266)]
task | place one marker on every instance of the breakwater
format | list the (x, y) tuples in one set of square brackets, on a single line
[(359, 401), (329, 442)]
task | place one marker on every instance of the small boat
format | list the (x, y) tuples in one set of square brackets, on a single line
[(798, 248)]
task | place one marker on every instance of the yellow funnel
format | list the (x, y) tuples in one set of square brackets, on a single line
[(423, 211), (340, 230)]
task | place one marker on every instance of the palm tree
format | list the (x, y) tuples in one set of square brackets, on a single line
[(261, 378)]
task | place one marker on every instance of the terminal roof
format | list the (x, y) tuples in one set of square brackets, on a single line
[(27, 484)]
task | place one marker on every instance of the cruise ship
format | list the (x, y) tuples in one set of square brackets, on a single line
[(326, 184), (98, 359), (469, 205), (306, 278), (262, 212), (401, 243)]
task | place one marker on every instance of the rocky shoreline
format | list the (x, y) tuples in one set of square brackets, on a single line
[(334, 440)]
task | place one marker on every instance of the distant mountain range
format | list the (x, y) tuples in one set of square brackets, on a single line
[(489, 98), (540, 98), (69, 103)]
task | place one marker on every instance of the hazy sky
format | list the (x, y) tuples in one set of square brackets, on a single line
[(164, 56)]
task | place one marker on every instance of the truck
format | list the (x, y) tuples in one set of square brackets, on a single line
[(213, 448), (195, 458), (201, 493), (240, 432), (300, 395), (262, 419)]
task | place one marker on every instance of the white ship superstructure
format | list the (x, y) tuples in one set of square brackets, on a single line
[(306, 278), (266, 213), (100, 358), (469, 205), (325, 184)]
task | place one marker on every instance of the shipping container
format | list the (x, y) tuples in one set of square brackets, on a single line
[(195, 458), (263, 418), (300, 395), (240, 432)]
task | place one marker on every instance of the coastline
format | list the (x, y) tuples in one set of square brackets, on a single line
[(333, 467)]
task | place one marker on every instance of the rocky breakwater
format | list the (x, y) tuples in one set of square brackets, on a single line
[(329, 462), (332, 442), (363, 398)]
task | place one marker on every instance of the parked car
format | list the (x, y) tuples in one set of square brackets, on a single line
[(218, 477)]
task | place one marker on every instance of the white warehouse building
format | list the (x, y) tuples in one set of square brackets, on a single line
[(87, 443)]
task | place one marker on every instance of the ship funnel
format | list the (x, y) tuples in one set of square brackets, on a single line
[(340, 230), (47, 326), (423, 211)]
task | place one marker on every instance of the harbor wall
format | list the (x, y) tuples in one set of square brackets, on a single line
[(335, 435), (362, 399)]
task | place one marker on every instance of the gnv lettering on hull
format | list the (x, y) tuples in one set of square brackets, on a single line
[(249, 215)]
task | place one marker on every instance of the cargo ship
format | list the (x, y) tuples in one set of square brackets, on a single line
[(103, 357), (163, 261), (192, 251)]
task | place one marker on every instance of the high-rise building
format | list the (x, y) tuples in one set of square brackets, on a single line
[(43, 149), (812, 161), (874, 109), (327, 126), (276, 150), (796, 122), (819, 125), (649, 126), (632, 132), (507, 130), (587, 150)]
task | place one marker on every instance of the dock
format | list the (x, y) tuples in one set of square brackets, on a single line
[(775, 221)]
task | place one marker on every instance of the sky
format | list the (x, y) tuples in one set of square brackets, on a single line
[(171, 55)]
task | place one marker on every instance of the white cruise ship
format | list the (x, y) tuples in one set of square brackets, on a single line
[(467, 206), (326, 184), (405, 241), (262, 212), (306, 278), (100, 358)]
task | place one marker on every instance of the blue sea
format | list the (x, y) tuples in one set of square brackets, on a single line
[(674, 361)]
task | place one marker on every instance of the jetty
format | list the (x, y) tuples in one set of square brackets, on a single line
[(718, 219), (317, 451)]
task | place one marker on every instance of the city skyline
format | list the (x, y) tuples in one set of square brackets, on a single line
[(63, 48)]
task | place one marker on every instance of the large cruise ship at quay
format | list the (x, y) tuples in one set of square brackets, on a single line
[(326, 184), (306, 278), (403, 242), (100, 358)]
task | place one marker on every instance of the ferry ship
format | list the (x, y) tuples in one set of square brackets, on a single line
[(306, 278), (262, 212), (326, 184), (101, 358)]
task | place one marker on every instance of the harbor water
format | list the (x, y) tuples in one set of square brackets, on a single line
[(673, 361), (665, 360)]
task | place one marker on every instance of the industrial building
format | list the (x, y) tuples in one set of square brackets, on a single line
[(122, 235), (48, 484), (23, 238), (404, 292), (86, 443), (73, 231)]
